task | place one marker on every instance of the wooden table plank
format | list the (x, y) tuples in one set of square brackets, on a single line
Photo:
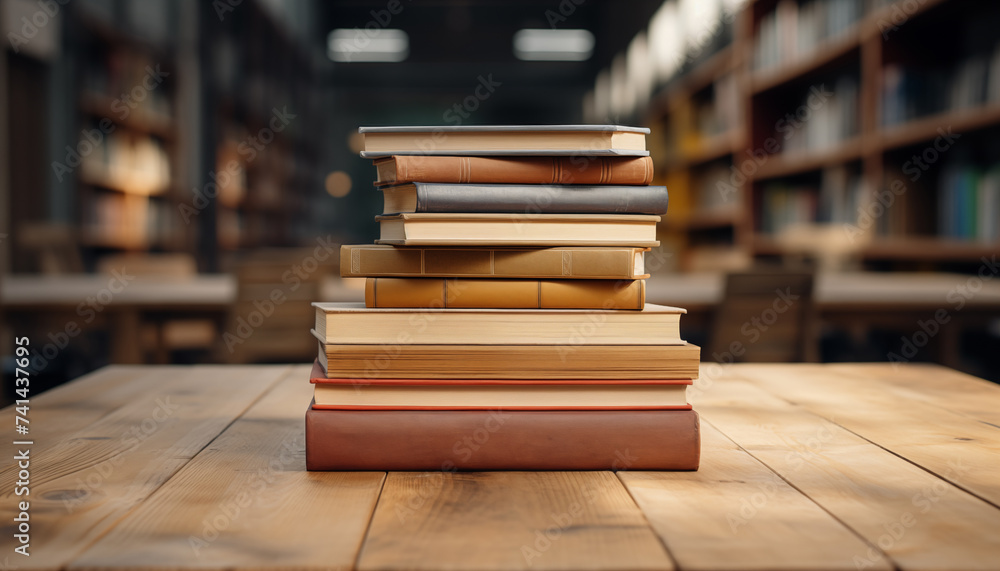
[(72, 406), (735, 501), (84, 481), (509, 520), (918, 519), (246, 501), (933, 384), (962, 451)]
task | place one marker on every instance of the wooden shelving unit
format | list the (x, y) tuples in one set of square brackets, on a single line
[(128, 188), (868, 152)]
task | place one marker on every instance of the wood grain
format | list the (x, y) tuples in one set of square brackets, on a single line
[(735, 501), (246, 501), (509, 520), (919, 520), (964, 453), (933, 384), (83, 481)]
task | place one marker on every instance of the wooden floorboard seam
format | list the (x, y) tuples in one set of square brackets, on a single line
[(941, 477), (666, 548), (85, 547), (843, 524), (368, 526)]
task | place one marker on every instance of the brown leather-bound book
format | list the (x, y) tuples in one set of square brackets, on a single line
[(502, 440), (515, 170), (372, 260), (468, 361), (503, 293)]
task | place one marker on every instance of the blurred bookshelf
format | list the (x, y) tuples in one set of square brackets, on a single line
[(834, 113), (243, 133), (126, 123)]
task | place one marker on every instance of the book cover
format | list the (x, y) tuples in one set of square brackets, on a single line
[(505, 293), (354, 324), (448, 229), (515, 170), (373, 260), (519, 140), (526, 199), (502, 440)]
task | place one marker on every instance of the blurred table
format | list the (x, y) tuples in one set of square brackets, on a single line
[(803, 467), (891, 291), (852, 300)]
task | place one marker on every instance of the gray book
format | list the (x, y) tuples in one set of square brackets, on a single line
[(524, 198)]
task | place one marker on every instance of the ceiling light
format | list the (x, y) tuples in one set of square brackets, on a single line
[(553, 45), (367, 45)]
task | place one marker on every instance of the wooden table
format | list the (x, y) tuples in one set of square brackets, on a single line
[(803, 467)]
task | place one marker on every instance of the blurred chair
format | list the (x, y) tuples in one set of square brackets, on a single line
[(765, 316), (261, 328), (160, 337), (831, 247), (54, 246)]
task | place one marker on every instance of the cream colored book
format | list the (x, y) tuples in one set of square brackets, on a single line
[(610, 362), (445, 229), (353, 324), (509, 394), (519, 140)]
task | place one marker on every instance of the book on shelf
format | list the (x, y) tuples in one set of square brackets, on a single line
[(470, 361), (515, 170), (791, 30), (521, 140), (505, 293), (526, 199), (353, 324), (969, 202), (615, 263), (453, 229), (491, 394), (519, 440)]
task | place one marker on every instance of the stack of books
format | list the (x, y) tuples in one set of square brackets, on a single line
[(505, 323)]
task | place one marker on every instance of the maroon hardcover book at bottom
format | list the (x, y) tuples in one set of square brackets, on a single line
[(502, 440)]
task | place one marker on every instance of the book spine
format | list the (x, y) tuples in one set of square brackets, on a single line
[(541, 199), (505, 294), (431, 440), (562, 263), (524, 170)]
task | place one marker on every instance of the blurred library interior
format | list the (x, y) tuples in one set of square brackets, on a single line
[(165, 164)]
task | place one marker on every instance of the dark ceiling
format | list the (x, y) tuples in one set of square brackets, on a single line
[(454, 41)]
